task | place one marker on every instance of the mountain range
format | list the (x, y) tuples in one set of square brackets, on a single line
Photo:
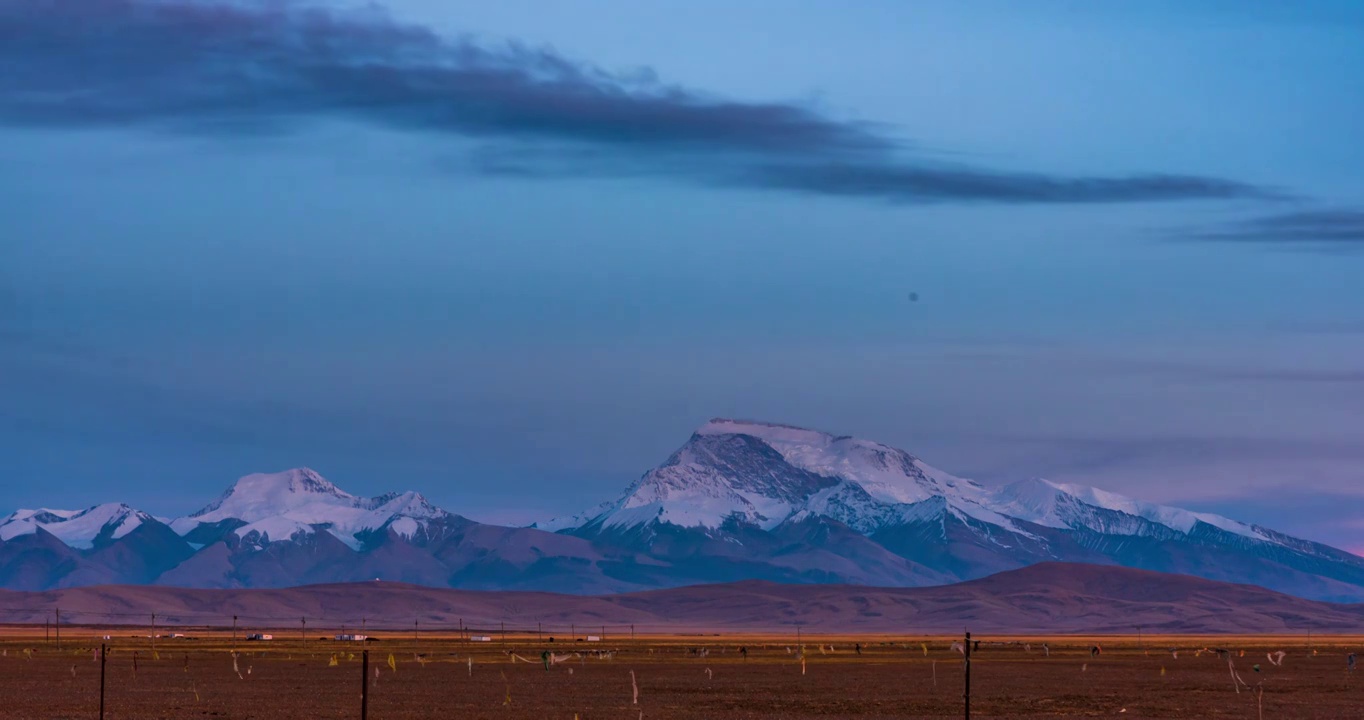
[(738, 501)]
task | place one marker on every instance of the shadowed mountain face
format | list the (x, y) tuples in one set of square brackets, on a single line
[(739, 501), (1044, 598)]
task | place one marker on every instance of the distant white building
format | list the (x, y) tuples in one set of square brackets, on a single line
[(351, 638), (594, 638), (481, 638)]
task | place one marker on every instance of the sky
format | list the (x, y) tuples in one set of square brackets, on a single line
[(511, 254)]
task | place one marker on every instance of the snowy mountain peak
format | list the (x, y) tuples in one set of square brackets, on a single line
[(886, 473), (1066, 505), (765, 473), (712, 479), (299, 502), (265, 492), (82, 529)]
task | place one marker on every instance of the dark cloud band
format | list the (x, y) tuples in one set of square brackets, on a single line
[(220, 67), (1305, 227)]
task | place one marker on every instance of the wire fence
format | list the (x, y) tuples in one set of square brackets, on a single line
[(698, 676)]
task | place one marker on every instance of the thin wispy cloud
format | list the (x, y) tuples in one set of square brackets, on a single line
[(1323, 228), (224, 68)]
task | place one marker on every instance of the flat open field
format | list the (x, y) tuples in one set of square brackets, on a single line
[(891, 678)]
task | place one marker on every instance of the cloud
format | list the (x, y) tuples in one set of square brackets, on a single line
[(1322, 228), (225, 68), (908, 182)]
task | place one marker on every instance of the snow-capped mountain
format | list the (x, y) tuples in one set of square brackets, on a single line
[(266, 507), (77, 528), (739, 500), (764, 476)]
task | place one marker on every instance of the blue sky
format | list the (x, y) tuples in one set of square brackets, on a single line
[(510, 254)]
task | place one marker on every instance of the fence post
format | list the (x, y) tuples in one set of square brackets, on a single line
[(364, 686), (967, 694), (103, 658)]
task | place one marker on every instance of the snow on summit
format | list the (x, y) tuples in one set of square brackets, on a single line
[(767, 473), (886, 473), (279, 506), (77, 528)]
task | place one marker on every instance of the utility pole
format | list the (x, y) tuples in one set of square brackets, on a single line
[(153, 632), (504, 632), (57, 627), (632, 632), (967, 695), (539, 632), (364, 685), (234, 632), (303, 623), (103, 658), (414, 632)]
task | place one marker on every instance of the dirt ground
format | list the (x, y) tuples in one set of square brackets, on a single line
[(891, 678)]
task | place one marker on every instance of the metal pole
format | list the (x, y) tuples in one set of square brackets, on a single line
[(153, 632), (632, 631), (304, 631), (504, 632), (364, 686), (57, 627), (103, 658), (414, 632), (539, 632), (967, 694)]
